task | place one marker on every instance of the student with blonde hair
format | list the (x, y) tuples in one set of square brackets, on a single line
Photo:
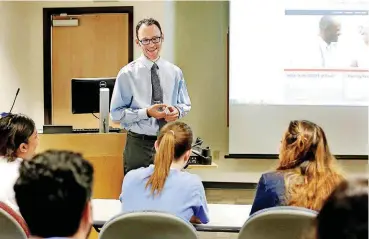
[(306, 174), (164, 187)]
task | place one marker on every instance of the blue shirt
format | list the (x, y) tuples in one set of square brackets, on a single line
[(270, 192), (133, 89), (183, 194)]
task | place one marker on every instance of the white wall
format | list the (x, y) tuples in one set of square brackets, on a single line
[(21, 47), (200, 47)]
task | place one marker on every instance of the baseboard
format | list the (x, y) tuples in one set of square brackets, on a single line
[(275, 156), (228, 185)]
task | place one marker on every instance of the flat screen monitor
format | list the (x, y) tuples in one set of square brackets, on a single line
[(86, 94)]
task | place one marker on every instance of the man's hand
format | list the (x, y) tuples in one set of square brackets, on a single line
[(172, 114), (157, 111)]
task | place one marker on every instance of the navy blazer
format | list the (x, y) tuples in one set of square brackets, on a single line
[(270, 192)]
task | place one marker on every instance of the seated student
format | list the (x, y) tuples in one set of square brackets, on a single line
[(306, 174), (344, 215), (164, 186), (53, 193), (18, 141)]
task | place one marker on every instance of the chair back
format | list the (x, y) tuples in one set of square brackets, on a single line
[(12, 225), (148, 225), (278, 223)]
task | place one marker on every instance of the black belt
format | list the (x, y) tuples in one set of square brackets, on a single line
[(142, 136)]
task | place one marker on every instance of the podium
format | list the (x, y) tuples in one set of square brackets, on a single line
[(103, 150)]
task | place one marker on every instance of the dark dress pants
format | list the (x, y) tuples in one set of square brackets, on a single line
[(138, 152)]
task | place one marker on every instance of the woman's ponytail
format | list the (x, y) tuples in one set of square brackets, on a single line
[(163, 160)]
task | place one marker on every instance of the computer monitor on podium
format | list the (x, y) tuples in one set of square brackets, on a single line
[(93, 95), (86, 94)]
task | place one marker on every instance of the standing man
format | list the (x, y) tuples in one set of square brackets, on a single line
[(148, 92)]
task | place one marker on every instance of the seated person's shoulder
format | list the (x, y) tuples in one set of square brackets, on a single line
[(273, 176), (193, 178), (192, 181), (273, 181), (135, 174)]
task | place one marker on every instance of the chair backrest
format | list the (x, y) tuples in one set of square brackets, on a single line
[(277, 223), (12, 225), (148, 225)]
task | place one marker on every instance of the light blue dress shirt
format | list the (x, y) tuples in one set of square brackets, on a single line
[(133, 89), (183, 194)]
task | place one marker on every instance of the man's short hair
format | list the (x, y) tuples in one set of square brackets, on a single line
[(147, 22), (52, 192), (326, 22)]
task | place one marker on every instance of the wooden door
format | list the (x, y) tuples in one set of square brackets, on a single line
[(97, 47)]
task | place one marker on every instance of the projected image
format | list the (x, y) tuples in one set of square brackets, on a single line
[(327, 57), (298, 59), (330, 39), (304, 57)]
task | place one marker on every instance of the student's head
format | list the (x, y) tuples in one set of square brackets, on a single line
[(149, 37), (18, 137), (53, 193), (330, 29), (305, 154), (304, 144), (173, 146), (344, 215)]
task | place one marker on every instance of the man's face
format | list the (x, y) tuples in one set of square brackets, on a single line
[(150, 40), (333, 32)]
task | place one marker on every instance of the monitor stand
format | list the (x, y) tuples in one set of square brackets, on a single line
[(104, 110)]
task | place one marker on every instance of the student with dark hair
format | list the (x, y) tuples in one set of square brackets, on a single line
[(18, 141), (149, 92), (53, 193), (164, 186), (344, 215)]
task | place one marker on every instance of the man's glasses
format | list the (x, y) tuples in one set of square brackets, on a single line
[(147, 41)]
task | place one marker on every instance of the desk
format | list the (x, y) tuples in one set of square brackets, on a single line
[(104, 151), (223, 217), (201, 166)]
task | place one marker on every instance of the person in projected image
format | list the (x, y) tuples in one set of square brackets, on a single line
[(306, 173), (325, 50), (331, 56)]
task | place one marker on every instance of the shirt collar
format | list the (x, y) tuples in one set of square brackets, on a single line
[(148, 63), (322, 43), (325, 45)]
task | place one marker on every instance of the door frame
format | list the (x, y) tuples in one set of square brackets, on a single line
[(47, 23)]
